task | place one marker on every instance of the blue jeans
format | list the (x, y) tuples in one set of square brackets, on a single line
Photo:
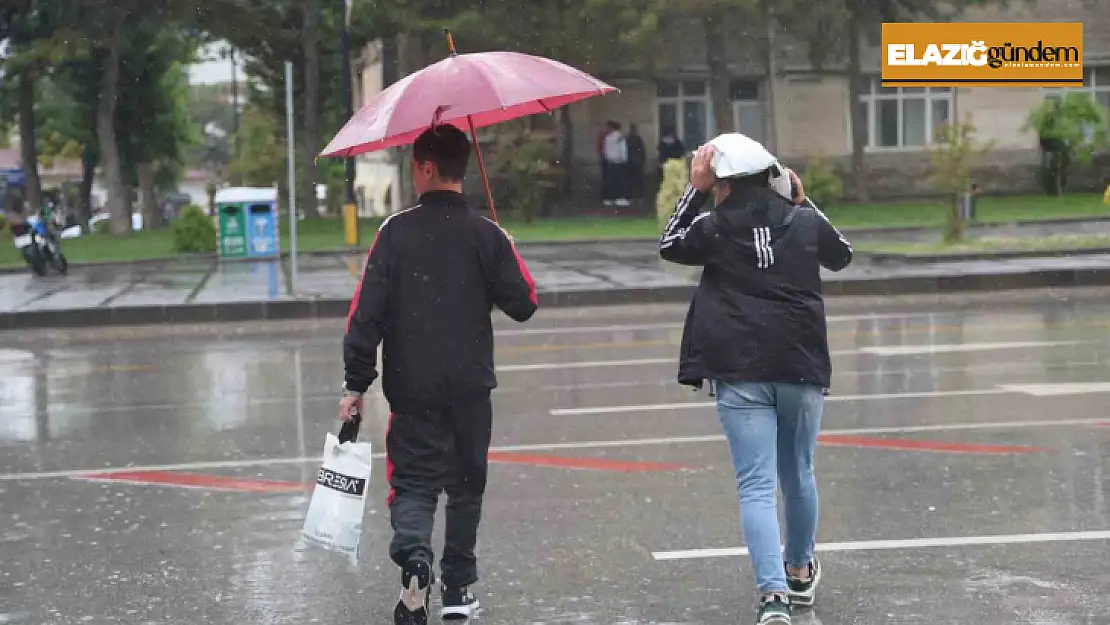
[(772, 428)]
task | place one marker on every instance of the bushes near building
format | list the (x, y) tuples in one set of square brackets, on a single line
[(193, 231)]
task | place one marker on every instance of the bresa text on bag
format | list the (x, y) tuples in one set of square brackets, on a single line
[(342, 483)]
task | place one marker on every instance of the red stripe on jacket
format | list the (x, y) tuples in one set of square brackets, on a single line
[(389, 464), (527, 276), (358, 289)]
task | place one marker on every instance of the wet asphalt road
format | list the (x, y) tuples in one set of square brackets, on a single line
[(962, 476)]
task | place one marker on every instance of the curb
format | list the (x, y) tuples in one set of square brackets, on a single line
[(893, 230), (645, 240), (213, 257), (339, 251), (909, 259), (285, 310)]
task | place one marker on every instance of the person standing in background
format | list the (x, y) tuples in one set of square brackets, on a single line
[(670, 147), (637, 158), (615, 155), (604, 169)]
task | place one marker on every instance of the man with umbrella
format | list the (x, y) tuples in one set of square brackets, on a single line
[(434, 273)]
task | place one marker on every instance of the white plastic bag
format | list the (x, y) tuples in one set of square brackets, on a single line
[(334, 519)]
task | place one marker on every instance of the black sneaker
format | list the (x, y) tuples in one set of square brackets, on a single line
[(458, 604), (416, 585), (803, 592), (774, 610)]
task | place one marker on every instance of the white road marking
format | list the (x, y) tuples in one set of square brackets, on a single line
[(574, 412), (908, 543), (910, 350), (242, 400), (677, 325), (1052, 390), (877, 350), (549, 366), (618, 443), (630, 362), (570, 329)]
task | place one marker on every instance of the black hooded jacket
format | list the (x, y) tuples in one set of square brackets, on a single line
[(758, 314), (433, 275)]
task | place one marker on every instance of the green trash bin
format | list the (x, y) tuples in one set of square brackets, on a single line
[(233, 208), (233, 231)]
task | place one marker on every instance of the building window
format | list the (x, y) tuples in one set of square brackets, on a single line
[(904, 117), (1096, 82), (747, 109), (685, 107)]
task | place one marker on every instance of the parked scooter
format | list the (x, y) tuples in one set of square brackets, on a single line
[(39, 247)]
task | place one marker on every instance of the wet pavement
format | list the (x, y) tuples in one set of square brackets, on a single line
[(558, 269), (962, 473)]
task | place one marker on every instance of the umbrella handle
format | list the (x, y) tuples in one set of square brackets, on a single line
[(450, 41), (482, 168)]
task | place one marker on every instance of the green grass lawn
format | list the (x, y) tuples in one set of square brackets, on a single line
[(1037, 244), (326, 234), (989, 210)]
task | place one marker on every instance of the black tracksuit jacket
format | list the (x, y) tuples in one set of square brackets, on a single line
[(433, 276), (758, 314)]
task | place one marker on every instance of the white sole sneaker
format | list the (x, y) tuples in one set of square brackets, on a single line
[(807, 597), (459, 611)]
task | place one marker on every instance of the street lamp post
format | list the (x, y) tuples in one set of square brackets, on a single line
[(350, 210)]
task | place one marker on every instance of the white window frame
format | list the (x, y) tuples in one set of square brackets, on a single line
[(680, 119), (1090, 84), (930, 95), (750, 103)]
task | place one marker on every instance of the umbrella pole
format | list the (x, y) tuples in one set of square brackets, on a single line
[(482, 168)]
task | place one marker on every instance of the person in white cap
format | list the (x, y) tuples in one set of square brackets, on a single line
[(615, 155), (756, 331)]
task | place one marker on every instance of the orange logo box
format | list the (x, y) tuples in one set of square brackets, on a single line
[(996, 54)]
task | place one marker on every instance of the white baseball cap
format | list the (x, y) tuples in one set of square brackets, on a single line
[(739, 155)]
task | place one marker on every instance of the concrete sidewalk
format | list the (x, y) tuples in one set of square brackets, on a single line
[(566, 274)]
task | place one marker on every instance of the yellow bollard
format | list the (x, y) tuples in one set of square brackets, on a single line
[(350, 224)]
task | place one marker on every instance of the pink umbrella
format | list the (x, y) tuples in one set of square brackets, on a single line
[(468, 91)]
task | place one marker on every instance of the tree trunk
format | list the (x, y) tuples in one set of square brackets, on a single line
[(119, 203), (859, 120), (956, 228), (718, 73), (311, 41), (88, 174), (1060, 172), (566, 125), (152, 211), (770, 70), (29, 155), (410, 58)]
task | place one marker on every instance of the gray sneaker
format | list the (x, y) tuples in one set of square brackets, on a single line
[(803, 592), (774, 610)]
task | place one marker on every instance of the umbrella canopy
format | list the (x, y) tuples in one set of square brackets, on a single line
[(468, 91)]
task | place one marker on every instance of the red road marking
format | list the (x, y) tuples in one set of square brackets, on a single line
[(232, 484), (197, 480), (592, 464), (908, 444)]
